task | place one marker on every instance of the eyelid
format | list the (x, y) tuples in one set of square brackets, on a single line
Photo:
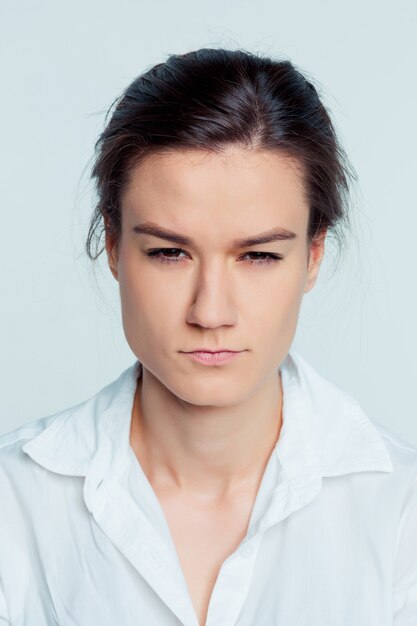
[(165, 248), (269, 257)]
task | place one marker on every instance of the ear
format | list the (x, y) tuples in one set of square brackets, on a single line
[(316, 254), (111, 248)]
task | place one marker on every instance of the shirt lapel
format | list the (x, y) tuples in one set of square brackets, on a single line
[(324, 433), (91, 440)]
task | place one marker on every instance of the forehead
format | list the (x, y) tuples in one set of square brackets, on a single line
[(235, 185)]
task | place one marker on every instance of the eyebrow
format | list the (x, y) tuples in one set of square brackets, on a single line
[(276, 234)]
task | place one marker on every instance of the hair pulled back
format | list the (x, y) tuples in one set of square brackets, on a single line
[(211, 99)]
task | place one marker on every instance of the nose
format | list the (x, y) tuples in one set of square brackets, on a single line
[(213, 298)]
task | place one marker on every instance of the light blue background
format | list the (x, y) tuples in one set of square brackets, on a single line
[(63, 63)]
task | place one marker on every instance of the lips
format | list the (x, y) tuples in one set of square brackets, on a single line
[(218, 353), (212, 351), (213, 358)]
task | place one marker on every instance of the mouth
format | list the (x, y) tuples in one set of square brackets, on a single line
[(202, 349), (219, 357)]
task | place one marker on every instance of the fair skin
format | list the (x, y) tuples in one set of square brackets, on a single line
[(204, 434)]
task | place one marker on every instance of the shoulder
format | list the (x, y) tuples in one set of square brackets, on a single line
[(25, 432), (403, 453), (13, 459), (404, 458), (65, 442)]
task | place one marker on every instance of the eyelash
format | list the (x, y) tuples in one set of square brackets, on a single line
[(157, 253)]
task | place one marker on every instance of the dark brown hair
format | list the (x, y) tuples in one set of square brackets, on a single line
[(211, 99)]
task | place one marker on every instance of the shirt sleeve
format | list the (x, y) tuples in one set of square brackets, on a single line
[(4, 618), (405, 577)]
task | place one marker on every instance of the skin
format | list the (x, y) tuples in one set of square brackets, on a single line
[(204, 434)]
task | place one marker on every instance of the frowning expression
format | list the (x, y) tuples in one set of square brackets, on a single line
[(213, 254)]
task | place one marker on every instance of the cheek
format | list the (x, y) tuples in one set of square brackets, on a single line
[(290, 294), (276, 311), (147, 306), (143, 281), (280, 295)]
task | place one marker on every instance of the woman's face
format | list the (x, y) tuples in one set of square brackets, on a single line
[(213, 291)]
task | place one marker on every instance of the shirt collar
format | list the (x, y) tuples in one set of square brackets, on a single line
[(324, 431)]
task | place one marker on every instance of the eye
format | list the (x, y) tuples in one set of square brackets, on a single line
[(261, 258), (159, 252), (265, 258)]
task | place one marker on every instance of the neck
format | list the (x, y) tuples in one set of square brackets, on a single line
[(208, 452)]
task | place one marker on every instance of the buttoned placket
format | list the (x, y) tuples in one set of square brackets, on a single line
[(129, 529)]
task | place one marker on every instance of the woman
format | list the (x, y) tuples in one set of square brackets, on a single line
[(220, 479)]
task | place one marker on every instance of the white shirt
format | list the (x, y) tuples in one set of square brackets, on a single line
[(332, 538)]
